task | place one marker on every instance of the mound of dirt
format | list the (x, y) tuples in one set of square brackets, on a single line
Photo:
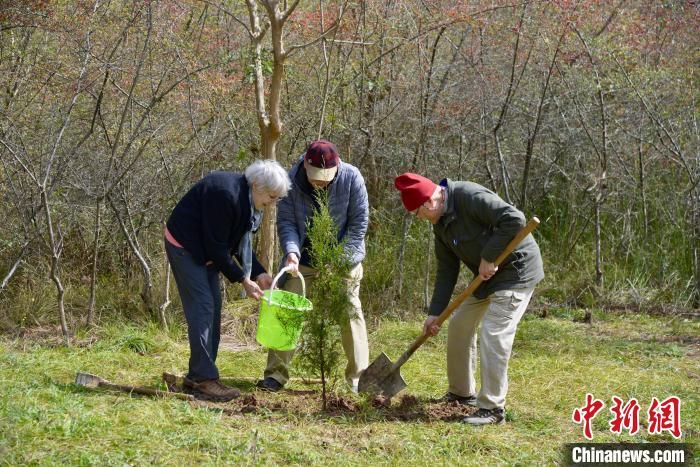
[(250, 404), (411, 408), (408, 401), (250, 399), (337, 403), (381, 401), (448, 412)]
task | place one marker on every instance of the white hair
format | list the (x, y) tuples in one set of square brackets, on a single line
[(269, 176)]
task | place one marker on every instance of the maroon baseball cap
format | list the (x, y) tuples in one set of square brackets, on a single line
[(323, 160)]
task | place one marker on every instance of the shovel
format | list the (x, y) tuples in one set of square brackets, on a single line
[(382, 377), (91, 381)]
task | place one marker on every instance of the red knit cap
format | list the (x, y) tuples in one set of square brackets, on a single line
[(415, 190)]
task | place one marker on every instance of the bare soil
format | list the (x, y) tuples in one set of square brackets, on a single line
[(406, 408)]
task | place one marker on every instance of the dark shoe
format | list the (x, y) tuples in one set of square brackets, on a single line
[(463, 400), (269, 384), (495, 416), (188, 383), (212, 389)]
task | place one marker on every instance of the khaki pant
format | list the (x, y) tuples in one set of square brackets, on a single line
[(499, 315), (354, 335)]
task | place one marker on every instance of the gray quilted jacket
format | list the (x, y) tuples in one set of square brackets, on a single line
[(348, 205)]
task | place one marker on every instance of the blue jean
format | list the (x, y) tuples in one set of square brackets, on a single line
[(200, 294)]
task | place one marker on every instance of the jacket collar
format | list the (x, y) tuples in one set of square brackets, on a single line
[(450, 213)]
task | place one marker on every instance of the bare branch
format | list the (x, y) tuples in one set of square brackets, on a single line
[(661, 129), (14, 267), (290, 9), (611, 18), (134, 81), (232, 16), (436, 27), (19, 161), (293, 48), (331, 30)]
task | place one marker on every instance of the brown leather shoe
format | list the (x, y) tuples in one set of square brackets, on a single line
[(212, 389)]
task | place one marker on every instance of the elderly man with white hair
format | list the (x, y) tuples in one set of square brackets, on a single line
[(216, 218)]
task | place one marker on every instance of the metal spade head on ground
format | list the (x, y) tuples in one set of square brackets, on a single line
[(93, 382), (379, 378), (88, 380), (382, 377)]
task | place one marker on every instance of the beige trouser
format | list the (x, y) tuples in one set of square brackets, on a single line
[(499, 315), (354, 335)]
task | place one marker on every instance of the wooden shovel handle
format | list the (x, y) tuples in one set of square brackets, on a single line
[(147, 391), (476, 282)]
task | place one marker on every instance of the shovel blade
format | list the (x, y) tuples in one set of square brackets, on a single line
[(379, 379), (87, 380)]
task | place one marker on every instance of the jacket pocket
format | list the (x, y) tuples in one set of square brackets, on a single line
[(177, 251), (516, 262)]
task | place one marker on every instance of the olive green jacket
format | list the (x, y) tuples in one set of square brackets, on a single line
[(477, 224)]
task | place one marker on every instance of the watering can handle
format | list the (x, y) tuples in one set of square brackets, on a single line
[(279, 274)]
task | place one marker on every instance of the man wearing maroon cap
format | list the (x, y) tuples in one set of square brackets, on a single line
[(320, 168), (473, 225)]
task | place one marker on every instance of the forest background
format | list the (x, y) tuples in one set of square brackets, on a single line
[(584, 113)]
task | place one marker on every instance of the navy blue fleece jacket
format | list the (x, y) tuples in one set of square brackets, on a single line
[(210, 220)]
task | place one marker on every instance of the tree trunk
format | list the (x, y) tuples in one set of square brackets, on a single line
[(504, 169), (322, 360), (266, 247), (460, 152), (598, 255), (372, 178), (147, 281), (512, 86), (268, 237), (538, 120), (166, 299), (268, 109), (402, 251), (14, 267), (642, 190), (426, 277), (55, 274), (695, 218), (93, 276), (327, 80)]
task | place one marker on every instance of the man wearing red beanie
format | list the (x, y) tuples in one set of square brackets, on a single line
[(473, 225)]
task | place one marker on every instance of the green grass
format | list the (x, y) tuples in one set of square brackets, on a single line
[(46, 419)]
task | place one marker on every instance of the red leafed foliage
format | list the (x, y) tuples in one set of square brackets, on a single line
[(22, 13)]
